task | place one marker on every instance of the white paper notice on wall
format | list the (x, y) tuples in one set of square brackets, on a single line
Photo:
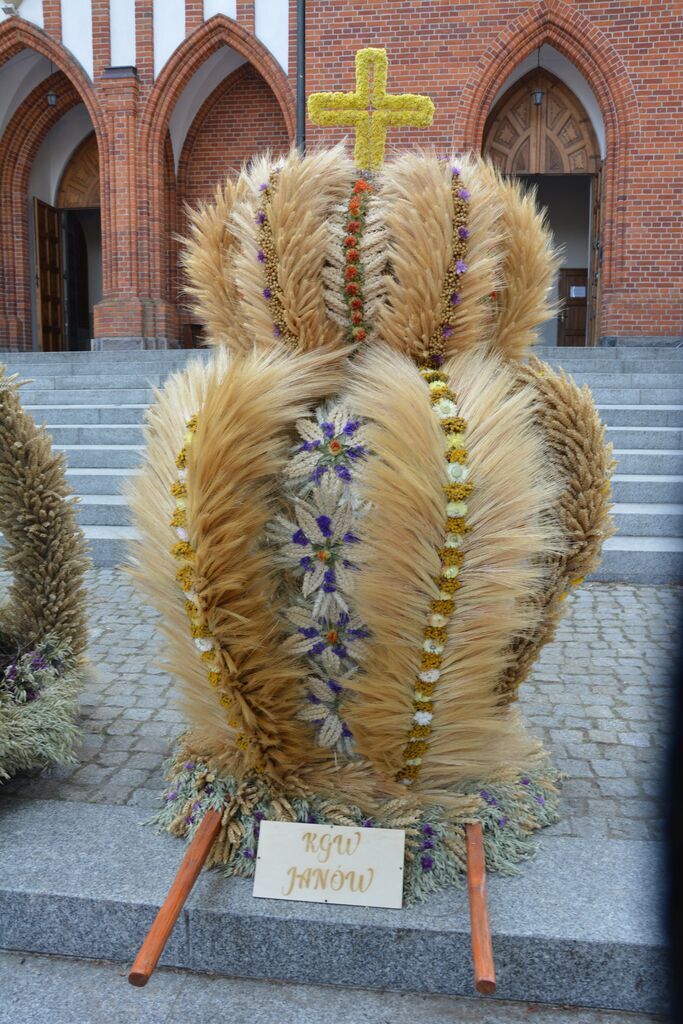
[(330, 864)]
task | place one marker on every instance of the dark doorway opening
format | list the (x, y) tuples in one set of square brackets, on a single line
[(82, 236)]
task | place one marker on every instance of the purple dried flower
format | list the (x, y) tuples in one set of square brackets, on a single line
[(427, 862), (485, 795), (357, 452), (342, 472), (350, 538), (334, 686), (38, 661), (189, 766), (464, 193), (325, 525), (263, 187), (346, 732), (327, 428), (259, 815), (340, 651), (525, 781), (447, 331), (318, 473), (438, 359), (540, 800), (312, 699), (308, 631), (455, 299), (306, 563), (351, 427), (249, 854), (455, 171), (173, 795), (267, 294), (312, 820), (426, 844), (328, 588), (276, 331), (317, 648), (367, 823), (260, 217), (464, 232), (261, 256), (299, 537), (461, 267), (426, 830), (502, 822), (12, 673)]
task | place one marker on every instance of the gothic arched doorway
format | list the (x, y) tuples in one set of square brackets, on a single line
[(540, 131)]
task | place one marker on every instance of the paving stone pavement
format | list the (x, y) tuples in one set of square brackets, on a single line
[(598, 698), (54, 990)]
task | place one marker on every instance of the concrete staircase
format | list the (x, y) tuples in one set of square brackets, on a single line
[(94, 404)]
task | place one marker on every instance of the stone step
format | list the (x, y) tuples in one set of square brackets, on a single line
[(104, 456), (642, 519), (98, 481), (103, 510), (658, 461), (107, 545), (49, 989), (637, 396), (96, 434), (629, 415), (579, 925), (87, 414), (104, 381), (647, 487), (86, 396), (645, 437), (648, 560)]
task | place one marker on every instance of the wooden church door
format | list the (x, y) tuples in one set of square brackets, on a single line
[(49, 278)]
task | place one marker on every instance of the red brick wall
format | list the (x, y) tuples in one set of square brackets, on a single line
[(457, 52), (241, 117)]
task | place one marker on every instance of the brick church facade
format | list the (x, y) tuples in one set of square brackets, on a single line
[(115, 114)]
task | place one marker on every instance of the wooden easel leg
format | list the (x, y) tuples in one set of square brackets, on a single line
[(188, 872), (482, 950)]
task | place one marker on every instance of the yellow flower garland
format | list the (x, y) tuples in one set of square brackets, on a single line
[(184, 554), (442, 609)]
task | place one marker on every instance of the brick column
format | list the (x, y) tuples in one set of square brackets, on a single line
[(194, 15), (125, 317), (52, 18)]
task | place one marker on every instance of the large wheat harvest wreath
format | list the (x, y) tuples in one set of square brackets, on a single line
[(360, 518), (42, 616)]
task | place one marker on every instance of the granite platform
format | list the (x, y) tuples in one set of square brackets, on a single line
[(578, 926)]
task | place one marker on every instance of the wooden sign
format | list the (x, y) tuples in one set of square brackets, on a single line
[(330, 864)]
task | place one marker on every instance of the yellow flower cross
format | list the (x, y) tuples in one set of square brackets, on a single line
[(370, 111)]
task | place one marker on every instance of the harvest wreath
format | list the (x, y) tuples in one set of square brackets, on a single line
[(359, 518), (42, 619)]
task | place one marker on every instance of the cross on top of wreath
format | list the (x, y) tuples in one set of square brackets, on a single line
[(370, 109)]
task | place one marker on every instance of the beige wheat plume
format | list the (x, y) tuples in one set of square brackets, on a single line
[(508, 514), (575, 442), (530, 264), (307, 192), (207, 255), (244, 430)]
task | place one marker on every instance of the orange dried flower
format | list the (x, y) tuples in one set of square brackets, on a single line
[(359, 334), (356, 303), (350, 241), (350, 273), (357, 318), (351, 289), (361, 186), (352, 255), (353, 226)]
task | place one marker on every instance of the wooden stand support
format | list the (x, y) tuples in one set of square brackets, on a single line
[(189, 870), (482, 950)]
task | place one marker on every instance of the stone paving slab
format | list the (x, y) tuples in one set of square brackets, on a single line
[(578, 925), (53, 990), (598, 698)]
